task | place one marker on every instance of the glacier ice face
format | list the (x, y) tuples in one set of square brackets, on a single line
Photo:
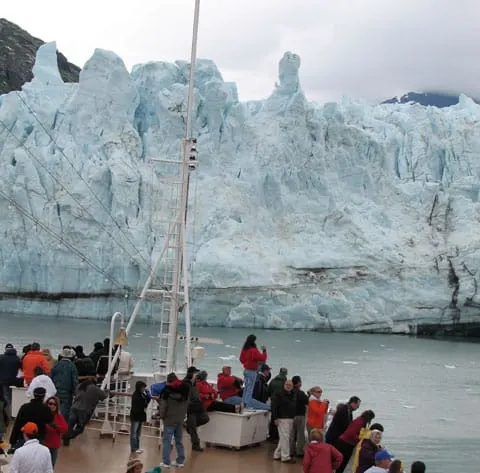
[(335, 216)]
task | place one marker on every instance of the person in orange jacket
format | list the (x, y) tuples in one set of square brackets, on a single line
[(317, 410), (31, 360)]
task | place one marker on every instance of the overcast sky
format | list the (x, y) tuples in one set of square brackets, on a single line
[(365, 49)]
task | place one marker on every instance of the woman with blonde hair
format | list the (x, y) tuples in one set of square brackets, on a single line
[(317, 410)]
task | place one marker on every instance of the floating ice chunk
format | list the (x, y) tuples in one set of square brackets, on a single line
[(298, 341), (407, 406), (229, 357), (137, 335), (365, 351), (348, 362), (450, 367)]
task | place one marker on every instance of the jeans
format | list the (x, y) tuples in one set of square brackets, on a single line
[(250, 378), (254, 404), (7, 394), (54, 455), (170, 431), (76, 422), (65, 405), (135, 433)]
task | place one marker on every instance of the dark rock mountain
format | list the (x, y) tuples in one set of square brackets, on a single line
[(17, 57), (435, 99)]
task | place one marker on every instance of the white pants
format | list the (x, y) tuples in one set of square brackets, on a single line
[(282, 451)]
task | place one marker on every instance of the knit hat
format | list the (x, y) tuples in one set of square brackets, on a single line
[(284, 371), (39, 393), (133, 462), (171, 377), (8, 345), (68, 353), (30, 428)]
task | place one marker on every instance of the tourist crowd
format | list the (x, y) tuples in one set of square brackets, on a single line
[(65, 392)]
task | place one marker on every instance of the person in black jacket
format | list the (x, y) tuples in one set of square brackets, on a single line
[(34, 411), (260, 390), (297, 438), (9, 365), (284, 408), (342, 419), (140, 399)]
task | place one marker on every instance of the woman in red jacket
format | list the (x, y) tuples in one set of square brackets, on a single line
[(348, 440), (56, 429), (320, 457), (250, 358)]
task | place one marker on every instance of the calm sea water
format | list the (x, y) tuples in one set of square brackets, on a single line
[(425, 392)]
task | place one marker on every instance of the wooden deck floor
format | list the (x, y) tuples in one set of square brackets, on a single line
[(89, 453)]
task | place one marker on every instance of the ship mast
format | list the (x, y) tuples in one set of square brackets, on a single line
[(180, 269)]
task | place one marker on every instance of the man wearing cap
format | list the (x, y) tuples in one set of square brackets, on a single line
[(65, 378), (260, 389), (9, 365), (383, 460), (34, 411), (194, 409), (32, 457)]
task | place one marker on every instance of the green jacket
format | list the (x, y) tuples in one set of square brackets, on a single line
[(276, 385), (65, 377)]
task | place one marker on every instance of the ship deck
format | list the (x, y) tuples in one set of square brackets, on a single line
[(89, 453)]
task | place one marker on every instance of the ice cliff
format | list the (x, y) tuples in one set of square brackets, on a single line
[(337, 216)]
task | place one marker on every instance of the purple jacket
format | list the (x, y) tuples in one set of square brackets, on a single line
[(366, 456)]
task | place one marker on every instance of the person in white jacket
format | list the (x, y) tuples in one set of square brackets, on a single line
[(32, 457), (41, 380)]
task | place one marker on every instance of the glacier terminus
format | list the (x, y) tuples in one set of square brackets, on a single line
[(341, 216)]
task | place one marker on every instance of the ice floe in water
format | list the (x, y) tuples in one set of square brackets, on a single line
[(365, 351), (407, 406), (137, 335), (229, 357), (450, 367), (348, 362)]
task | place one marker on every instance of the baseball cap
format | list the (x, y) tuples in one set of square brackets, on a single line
[(265, 367), (192, 370), (8, 345), (30, 428), (39, 392), (383, 455)]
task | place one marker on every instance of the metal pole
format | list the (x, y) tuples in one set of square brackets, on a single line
[(181, 218)]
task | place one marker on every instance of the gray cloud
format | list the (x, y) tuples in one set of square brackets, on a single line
[(365, 49)]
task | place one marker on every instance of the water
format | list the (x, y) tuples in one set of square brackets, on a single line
[(426, 393)]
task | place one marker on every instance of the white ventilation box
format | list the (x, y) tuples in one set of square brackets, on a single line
[(235, 430)]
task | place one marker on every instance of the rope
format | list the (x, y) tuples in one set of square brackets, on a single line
[(64, 242), (29, 152), (81, 177)]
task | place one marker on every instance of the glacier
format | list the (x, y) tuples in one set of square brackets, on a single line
[(341, 216)]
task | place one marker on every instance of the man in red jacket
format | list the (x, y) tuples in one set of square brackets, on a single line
[(229, 386)]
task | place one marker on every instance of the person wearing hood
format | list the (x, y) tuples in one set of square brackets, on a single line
[(173, 408), (383, 460), (79, 352), (10, 364), (208, 395), (31, 360), (347, 441), (34, 411), (96, 353), (65, 378), (317, 410), (274, 386), (320, 457), (368, 445), (41, 380)]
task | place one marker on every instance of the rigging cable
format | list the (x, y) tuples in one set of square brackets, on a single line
[(110, 234), (81, 177), (64, 242)]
